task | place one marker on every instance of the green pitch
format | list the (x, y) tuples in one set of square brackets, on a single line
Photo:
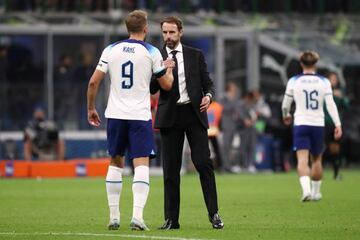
[(262, 206)]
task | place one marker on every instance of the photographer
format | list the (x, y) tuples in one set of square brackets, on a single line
[(41, 139)]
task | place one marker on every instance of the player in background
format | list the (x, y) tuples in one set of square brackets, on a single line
[(131, 64), (309, 91), (333, 151)]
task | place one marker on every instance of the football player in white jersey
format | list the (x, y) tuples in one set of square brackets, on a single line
[(309, 91), (131, 64)]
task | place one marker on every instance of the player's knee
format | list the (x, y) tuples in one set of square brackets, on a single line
[(316, 158), (117, 161)]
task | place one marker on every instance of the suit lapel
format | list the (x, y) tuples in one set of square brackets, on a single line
[(164, 53), (187, 63)]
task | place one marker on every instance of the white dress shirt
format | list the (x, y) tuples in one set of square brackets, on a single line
[(184, 96)]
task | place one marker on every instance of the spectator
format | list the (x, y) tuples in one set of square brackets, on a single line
[(228, 125), (214, 113), (82, 75), (262, 109), (41, 139), (64, 94), (246, 125)]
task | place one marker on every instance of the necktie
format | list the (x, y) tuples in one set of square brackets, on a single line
[(175, 74)]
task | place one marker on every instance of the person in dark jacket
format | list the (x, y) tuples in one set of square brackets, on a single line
[(182, 110)]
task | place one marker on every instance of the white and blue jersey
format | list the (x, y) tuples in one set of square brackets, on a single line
[(309, 92), (131, 64)]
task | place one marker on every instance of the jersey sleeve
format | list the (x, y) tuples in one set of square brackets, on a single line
[(328, 89), (288, 98), (103, 62), (290, 89), (157, 67)]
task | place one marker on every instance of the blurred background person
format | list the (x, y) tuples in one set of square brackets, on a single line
[(228, 124), (64, 96), (247, 118), (214, 113), (82, 75), (333, 146), (262, 109), (41, 139)]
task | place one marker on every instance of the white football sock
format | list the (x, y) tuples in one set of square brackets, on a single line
[(305, 184), (140, 190), (113, 189), (315, 187)]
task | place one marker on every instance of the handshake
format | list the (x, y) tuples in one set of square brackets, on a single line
[(169, 63)]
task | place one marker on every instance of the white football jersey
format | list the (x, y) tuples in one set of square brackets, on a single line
[(308, 92), (131, 64)]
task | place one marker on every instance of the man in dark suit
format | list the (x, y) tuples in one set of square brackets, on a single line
[(182, 110)]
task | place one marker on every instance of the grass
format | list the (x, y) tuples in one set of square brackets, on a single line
[(262, 206)]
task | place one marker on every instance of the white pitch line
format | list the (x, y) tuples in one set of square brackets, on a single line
[(96, 235)]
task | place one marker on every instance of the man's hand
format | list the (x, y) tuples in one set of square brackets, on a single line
[(287, 120), (337, 132), (205, 102), (93, 118), (169, 63)]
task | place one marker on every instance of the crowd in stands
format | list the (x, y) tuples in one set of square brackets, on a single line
[(237, 121), (236, 129), (180, 5), (21, 75)]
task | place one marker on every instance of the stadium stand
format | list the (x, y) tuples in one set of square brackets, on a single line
[(242, 40)]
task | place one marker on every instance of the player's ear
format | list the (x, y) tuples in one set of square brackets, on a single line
[(181, 32), (146, 29)]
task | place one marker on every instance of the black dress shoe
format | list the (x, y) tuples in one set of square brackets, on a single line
[(216, 221), (170, 224)]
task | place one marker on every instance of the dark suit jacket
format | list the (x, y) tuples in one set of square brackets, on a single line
[(198, 83)]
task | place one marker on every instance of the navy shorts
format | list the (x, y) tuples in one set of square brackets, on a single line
[(309, 137), (134, 137)]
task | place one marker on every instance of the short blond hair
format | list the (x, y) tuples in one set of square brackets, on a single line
[(136, 21), (309, 58)]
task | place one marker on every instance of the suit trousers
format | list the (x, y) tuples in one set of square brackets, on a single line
[(172, 146)]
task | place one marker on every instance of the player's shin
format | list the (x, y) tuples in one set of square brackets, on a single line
[(140, 189), (305, 185), (113, 189)]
